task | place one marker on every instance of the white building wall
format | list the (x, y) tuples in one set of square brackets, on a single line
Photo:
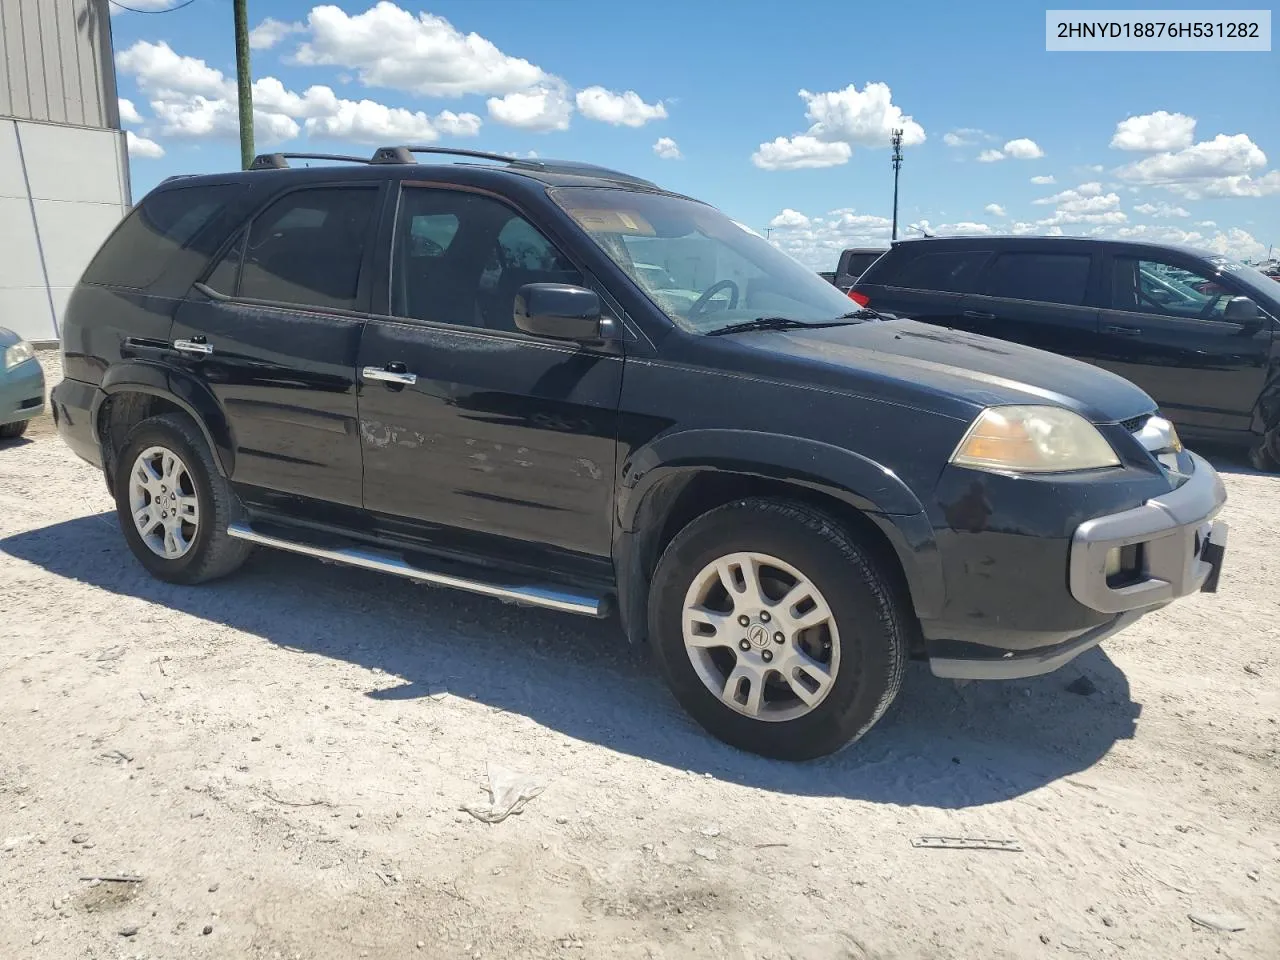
[(62, 190)]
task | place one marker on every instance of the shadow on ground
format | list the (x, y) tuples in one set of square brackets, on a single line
[(940, 746)]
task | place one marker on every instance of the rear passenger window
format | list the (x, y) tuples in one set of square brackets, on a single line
[(951, 272), (1044, 277), (162, 224), (307, 248)]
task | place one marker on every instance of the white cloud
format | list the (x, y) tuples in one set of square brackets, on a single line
[(128, 112), (864, 118), (270, 32), (1226, 166), (142, 147), (542, 109), (390, 47), (817, 241), (1019, 149), (1155, 131), (1043, 180), (790, 219), (965, 137), (667, 149), (995, 210), (1206, 223), (191, 99), (620, 109), (1023, 149), (799, 153), (1092, 189), (160, 71), (965, 228), (1233, 242), (1161, 210), (840, 120)]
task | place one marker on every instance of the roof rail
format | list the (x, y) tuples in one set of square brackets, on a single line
[(405, 154), (280, 161)]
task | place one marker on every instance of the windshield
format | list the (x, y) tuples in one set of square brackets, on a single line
[(1258, 282), (699, 267)]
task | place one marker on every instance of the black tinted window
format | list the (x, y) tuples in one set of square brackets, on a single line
[(461, 258), (1046, 277), (307, 247), (161, 225), (858, 263), (949, 272), (225, 276), (1153, 286)]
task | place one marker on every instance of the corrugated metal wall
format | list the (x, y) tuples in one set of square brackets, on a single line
[(57, 64)]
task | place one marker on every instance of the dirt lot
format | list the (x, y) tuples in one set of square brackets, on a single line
[(280, 758)]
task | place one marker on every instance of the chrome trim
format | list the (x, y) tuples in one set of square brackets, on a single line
[(190, 346), (387, 376), (384, 562)]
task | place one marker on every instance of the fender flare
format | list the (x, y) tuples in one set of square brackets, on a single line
[(869, 487), (181, 389)]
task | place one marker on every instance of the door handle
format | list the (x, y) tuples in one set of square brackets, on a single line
[(1121, 331), (383, 375), (196, 347), (979, 315)]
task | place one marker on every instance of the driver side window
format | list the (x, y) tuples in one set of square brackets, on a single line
[(1164, 289)]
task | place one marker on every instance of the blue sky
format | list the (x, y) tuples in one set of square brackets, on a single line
[(776, 113)]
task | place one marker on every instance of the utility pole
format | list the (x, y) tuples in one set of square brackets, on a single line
[(896, 140), (244, 82)]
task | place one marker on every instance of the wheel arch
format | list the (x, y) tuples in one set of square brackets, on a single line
[(133, 391), (679, 477)]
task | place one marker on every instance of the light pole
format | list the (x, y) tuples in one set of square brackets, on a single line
[(244, 83), (896, 140)]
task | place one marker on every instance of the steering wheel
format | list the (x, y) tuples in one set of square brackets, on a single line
[(700, 304)]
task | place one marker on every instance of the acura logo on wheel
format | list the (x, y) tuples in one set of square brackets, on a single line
[(758, 636)]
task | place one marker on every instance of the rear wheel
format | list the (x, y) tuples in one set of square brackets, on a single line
[(776, 629), (11, 431), (174, 506), (1265, 456)]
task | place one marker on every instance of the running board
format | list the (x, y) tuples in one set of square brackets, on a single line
[(383, 561)]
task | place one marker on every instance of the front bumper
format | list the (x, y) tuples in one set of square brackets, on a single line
[(22, 392), (1180, 549)]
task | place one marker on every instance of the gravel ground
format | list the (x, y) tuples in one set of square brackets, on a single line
[(281, 757)]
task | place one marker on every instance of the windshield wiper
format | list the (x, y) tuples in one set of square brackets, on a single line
[(866, 313), (772, 323)]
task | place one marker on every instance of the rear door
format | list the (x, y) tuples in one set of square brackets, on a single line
[(921, 282), (274, 329), (1038, 296), (1163, 328)]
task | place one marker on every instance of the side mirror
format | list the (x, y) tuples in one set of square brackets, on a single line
[(1241, 310), (558, 310)]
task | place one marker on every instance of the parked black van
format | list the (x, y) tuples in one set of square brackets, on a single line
[(1195, 330)]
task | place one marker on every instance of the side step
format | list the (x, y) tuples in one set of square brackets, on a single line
[(385, 561)]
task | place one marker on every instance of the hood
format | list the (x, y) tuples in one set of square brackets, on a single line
[(979, 369), (8, 338)]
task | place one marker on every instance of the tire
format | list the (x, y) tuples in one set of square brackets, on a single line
[(209, 552), (12, 431), (1265, 455), (863, 636)]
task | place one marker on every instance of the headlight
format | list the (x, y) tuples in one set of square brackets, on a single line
[(1033, 439), (16, 354)]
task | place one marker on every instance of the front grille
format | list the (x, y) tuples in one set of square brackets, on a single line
[(1134, 424)]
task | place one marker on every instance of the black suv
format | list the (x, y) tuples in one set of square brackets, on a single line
[(457, 373), (1197, 331)]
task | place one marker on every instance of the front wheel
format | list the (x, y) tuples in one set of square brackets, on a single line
[(12, 431), (1265, 456), (174, 506), (776, 629)]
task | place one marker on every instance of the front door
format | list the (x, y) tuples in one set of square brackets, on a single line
[(484, 438), (274, 331), (1164, 329)]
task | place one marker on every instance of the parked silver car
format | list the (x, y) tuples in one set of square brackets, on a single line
[(21, 385)]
